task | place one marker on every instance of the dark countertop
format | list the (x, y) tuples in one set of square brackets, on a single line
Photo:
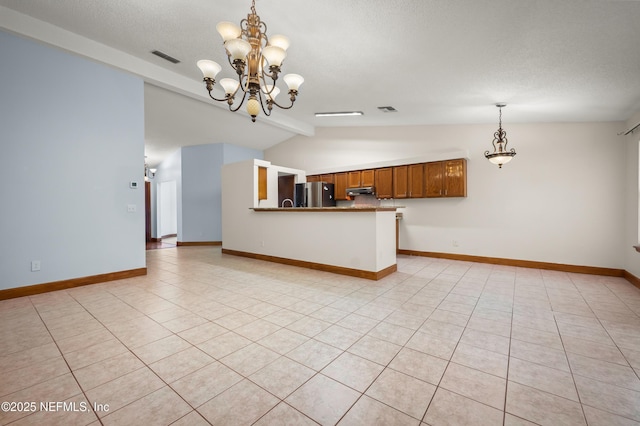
[(328, 209)]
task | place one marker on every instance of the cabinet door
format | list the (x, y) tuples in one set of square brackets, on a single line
[(313, 178), (367, 178), (327, 178), (455, 178), (400, 183), (384, 183), (340, 186), (434, 177), (262, 183), (354, 179), (416, 180)]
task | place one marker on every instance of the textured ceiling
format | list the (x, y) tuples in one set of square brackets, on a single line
[(435, 61)]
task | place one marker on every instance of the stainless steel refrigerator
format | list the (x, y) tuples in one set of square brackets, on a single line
[(314, 194)]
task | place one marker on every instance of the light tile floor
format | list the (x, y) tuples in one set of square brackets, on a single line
[(210, 338)]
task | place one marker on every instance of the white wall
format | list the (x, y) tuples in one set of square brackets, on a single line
[(632, 234), (560, 200), (71, 139), (170, 170), (355, 240), (197, 170), (168, 210), (201, 214)]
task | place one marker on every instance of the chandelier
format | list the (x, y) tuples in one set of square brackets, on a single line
[(256, 60), (500, 154)]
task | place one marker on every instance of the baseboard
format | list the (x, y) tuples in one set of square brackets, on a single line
[(169, 236), (199, 243), (155, 240), (632, 278), (30, 290), (592, 270), (359, 273)]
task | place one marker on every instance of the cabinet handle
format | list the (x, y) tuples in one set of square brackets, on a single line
[(445, 192)]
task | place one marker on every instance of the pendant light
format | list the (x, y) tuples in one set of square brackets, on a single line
[(500, 153)]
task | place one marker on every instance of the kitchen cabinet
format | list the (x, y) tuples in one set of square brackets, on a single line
[(340, 186), (367, 177), (354, 179), (434, 178), (384, 182), (327, 178), (455, 178), (446, 178), (415, 180), (400, 182), (262, 183)]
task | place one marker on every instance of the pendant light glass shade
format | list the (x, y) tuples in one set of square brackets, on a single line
[(279, 41), (294, 81), (237, 48), (274, 55), (229, 85), (209, 68), (228, 30)]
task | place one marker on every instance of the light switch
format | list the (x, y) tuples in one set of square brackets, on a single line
[(131, 208)]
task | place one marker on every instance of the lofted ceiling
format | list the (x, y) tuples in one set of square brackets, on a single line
[(434, 61)]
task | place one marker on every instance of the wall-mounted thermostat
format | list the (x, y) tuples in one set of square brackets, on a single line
[(133, 184)]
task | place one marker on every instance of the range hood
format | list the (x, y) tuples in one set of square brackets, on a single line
[(366, 190)]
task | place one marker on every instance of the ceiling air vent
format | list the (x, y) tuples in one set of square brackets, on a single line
[(165, 56), (387, 109)]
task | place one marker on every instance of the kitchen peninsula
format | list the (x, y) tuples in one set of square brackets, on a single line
[(356, 241)]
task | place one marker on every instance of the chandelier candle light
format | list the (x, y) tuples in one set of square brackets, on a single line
[(257, 61), (500, 154)]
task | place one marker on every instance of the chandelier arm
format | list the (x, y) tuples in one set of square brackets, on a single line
[(293, 99), (209, 84), (226, 99), (273, 75), (267, 111), (239, 105)]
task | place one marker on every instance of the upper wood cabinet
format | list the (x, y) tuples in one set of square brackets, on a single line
[(434, 178), (262, 183), (455, 178), (400, 183), (327, 178), (367, 178), (431, 180), (340, 186), (354, 179), (384, 182), (415, 180), (446, 178)]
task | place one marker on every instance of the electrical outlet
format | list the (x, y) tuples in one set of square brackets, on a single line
[(455, 243), (131, 208), (261, 243), (35, 265)]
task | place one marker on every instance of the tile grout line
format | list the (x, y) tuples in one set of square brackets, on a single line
[(64, 358), (135, 355)]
